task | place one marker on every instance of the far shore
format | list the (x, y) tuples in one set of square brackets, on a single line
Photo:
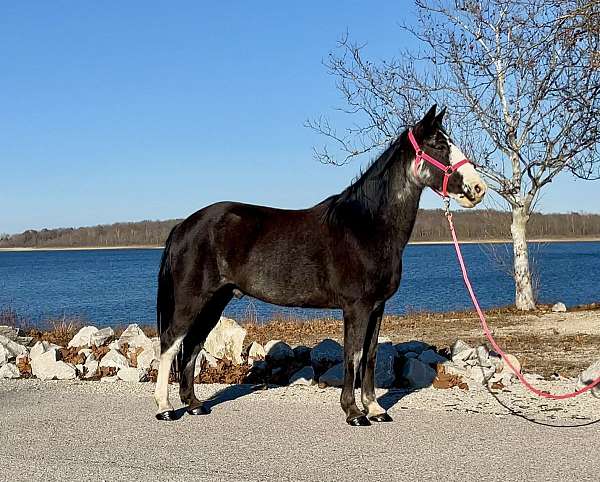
[(472, 241)]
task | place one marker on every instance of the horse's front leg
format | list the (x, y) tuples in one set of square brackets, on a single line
[(355, 327), (374, 411)]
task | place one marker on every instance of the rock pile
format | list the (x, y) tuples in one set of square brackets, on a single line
[(97, 354)]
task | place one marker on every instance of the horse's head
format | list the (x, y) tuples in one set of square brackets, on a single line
[(451, 174)]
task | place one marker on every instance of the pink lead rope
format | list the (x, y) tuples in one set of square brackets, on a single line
[(448, 171), (488, 334)]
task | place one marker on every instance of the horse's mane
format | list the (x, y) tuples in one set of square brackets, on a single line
[(368, 191)]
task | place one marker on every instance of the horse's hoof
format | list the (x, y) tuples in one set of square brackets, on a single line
[(360, 421), (168, 416), (383, 417), (199, 410)]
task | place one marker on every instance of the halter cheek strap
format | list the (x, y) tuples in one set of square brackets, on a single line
[(423, 156)]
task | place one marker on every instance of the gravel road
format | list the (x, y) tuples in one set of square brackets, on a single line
[(107, 431)]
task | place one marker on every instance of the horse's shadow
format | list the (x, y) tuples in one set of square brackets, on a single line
[(233, 392)]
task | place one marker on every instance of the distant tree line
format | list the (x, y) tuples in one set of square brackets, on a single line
[(430, 226)]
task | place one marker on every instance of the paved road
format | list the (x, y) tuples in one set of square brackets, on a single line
[(92, 431)]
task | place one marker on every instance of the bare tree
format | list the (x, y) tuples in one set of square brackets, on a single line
[(521, 80)]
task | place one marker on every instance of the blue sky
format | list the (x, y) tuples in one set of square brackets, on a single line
[(117, 111)]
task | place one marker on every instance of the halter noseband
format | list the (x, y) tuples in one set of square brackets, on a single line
[(423, 156)]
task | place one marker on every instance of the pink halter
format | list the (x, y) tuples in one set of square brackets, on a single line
[(447, 170)]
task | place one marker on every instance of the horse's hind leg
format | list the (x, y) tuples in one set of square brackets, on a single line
[(204, 322), (170, 342), (355, 326), (375, 412)]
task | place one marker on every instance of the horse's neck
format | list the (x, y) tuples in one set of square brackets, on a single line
[(400, 211)]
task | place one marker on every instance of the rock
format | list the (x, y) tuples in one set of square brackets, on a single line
[(418, 374), (83, 337), (100, 337), (383, 339), (201, 358), (256, 352), (11, 348), (114, 345), (134, 336), (480, 374), (414, 346), (410, 354), (304, 376), (45, 367), (514, 361), (452, 368), (112, 379), (131, 374), (90, 368), (9, 370), (40, 348), (334, 377), (226, 340), (588, 376), (114, 359), (302, 354), (146, 357), (460, 351), (86, 352), (9, 332), (4, 355), (559, 308), (431, 357), (326, 354), (483, 356), (278, 351), (385, 374)]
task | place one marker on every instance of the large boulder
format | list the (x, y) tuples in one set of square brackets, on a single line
[(9, 370), (146, 357), (302, 355), (385, 373), (100, 337), (256, 352), (326, 354), (588, 376), (4, 355), (304, 376), (90, 367), (559, 307), (226, 340), (278, 352), (417, 373), (431, 357), (45, 367), (415, 346), (461, 352), (114, 359), (134, 336), (83, 337), (40, 348), (334, 377), (203, 357), (12, 349)]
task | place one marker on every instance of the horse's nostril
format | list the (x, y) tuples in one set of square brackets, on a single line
[(478, 188)]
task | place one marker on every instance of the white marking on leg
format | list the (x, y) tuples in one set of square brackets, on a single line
[(161, 392)]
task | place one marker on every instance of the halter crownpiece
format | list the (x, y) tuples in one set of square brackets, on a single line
[(423, 156)]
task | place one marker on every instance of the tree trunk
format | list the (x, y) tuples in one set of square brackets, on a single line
[(524, 299)]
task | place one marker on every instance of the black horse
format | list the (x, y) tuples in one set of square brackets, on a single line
[(345, 252)]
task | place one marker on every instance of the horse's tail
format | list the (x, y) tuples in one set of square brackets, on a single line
[(165, 296)]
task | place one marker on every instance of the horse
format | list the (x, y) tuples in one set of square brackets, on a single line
[(343, 253)]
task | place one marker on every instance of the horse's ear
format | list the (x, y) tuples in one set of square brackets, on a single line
[(425, 126), (440, 117), (429, 118)]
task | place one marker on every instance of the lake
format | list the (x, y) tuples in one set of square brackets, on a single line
[(117, 286)]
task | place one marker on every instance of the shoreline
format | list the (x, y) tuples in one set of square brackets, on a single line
[(415, 243)]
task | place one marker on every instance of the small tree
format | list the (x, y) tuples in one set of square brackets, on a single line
[(521, 79)]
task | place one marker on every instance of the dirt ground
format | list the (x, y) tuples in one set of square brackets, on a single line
[(545, 342)]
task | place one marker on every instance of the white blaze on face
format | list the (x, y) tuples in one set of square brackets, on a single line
[(469, 175)]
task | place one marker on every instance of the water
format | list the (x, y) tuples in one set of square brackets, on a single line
[(112, 287)]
